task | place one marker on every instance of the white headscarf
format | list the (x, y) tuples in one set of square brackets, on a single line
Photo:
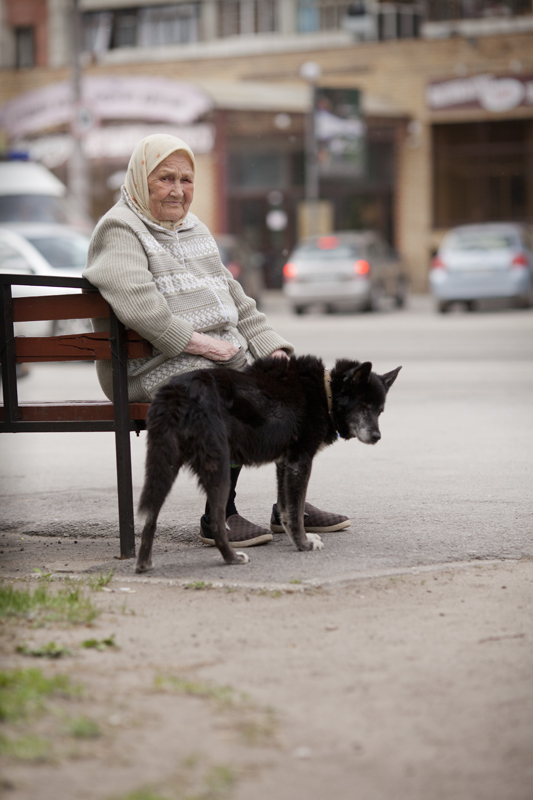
[(148, 154)]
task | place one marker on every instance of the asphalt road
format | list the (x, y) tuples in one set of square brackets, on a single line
[(449, 481)]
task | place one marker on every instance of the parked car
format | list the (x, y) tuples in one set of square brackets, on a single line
[(31, 193), (476, 262), (48, 250), (243, 263), (344, 270)]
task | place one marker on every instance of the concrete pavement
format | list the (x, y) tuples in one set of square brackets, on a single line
[(450, 480)]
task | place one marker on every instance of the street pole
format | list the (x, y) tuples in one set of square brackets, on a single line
[(310, 71), (78, 175)]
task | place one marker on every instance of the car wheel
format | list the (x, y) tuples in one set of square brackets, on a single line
[(400, 297), (374, 299), (329, 309), (443, 306), (299, 309), (471, 305)]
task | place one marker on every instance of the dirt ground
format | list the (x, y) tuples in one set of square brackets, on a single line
[(414, 684)]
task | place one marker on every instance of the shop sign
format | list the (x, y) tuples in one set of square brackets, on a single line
[(339, 132), (142, 98), (115, 142), (490, 92)]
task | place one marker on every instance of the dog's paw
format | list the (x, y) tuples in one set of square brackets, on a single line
[(140, 568), (316, 541), (242, 558)]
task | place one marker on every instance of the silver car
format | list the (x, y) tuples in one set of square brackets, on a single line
[(477, 262), (47, 250), (348, 270)]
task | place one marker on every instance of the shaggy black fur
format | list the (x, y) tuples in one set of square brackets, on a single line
[(275, 410)]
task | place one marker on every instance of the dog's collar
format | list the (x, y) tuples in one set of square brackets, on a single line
[(327, 386)]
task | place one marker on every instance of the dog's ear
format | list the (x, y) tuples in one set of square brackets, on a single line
[(360, 374), (389, 378)]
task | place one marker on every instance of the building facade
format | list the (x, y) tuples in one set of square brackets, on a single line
[(446, 96)]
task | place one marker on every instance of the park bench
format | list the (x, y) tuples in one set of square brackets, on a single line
[(117, 344)]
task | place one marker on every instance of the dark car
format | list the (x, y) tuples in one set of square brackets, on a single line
[(341, 271), (243, 263)]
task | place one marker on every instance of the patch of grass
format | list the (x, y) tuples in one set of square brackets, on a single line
[(26, 748), (67, 604), (295, 580), (198, 585), (141, 794), (217, 782), (50, 650), (222, 695), (100, 644), (83, 728), (23, 692), (98, 582)]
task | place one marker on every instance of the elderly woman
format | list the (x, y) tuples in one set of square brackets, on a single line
[(159, 268)]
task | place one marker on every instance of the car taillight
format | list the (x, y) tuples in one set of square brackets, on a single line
[(438, 263), (520, 261), (234, 268), (290, 271), (361, 267)]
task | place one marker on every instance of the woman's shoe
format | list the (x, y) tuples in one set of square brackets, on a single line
[(315, 520), (241, 532)]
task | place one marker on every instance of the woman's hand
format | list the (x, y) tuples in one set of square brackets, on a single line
[(213, 349), (279, 354)]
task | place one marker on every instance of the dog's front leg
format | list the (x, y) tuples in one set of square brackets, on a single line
[(217, 503), (293, 491)]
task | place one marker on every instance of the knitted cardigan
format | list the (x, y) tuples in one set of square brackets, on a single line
[(165, 285)]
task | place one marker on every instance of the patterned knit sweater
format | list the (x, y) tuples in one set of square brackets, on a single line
[(165, 285)]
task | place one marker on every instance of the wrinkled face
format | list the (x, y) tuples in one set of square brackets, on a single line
[(171, 188)]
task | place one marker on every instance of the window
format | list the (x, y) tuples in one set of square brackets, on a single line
[(246, 17), (175, 24), (258, 170), (481, 172), (441, 10), (149, 26), (24, 47)]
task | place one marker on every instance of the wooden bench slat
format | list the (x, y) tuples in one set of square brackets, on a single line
[(74, 411), (59, 306), (76, 347)]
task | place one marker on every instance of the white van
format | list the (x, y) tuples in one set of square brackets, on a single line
[(31, 193)]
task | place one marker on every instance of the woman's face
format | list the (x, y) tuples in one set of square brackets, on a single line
[(171, 188)]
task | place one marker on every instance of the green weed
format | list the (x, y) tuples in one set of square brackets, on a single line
[(84, 728), (295, 580), (67, 604), (100, 644), (197, 585), (222, 695), (26, 748), (50, 650), (23, 691), (98, 582)]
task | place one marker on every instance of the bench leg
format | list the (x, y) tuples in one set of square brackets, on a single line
[(125, 493), (119, 359)]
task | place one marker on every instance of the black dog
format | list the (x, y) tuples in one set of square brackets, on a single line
[(275, 410)]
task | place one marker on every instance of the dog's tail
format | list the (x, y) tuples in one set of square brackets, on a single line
[(163, 459)]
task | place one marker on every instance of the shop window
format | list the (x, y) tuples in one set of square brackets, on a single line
[(25, 47), (482, 172), (258, 170)]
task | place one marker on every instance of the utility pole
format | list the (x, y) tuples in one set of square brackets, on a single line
[(310, 71), (78, 173)]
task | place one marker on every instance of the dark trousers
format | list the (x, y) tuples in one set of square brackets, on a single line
[(230, 505)]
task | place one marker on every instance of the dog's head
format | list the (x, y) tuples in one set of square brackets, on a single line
[(359, 398)]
